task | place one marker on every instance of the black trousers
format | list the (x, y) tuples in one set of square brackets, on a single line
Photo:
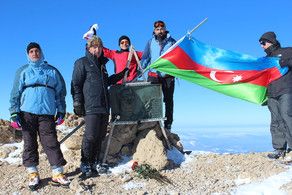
[(95, 131), (167, 84), (45, 127), (281, 120)]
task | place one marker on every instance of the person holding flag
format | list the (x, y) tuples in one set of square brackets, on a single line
[(156, 46), (279, 96)]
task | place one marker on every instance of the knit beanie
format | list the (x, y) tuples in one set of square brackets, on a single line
[(270, 37), (124, 37), (32, 45)]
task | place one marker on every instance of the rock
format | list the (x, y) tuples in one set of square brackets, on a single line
[(127, 150), (5, 151), (74, 142), (150, 150)]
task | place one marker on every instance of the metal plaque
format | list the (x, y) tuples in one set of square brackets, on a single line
[(138, 101)]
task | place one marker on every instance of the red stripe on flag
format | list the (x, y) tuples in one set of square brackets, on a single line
[(182, 61)]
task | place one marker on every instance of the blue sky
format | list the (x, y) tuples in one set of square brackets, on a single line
[(59, 25)]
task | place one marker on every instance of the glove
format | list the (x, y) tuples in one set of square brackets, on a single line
[(78, 109), (126, 70), (113, 79), (59, 118), (15, 121)]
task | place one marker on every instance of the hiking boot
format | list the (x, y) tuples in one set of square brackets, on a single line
[(94, 169), (277, 154), (60, 180), (86, 170), (33, 181), (103, 168)]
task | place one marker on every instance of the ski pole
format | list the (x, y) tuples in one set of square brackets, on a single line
[(73, 131)]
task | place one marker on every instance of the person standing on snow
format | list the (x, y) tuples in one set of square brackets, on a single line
[(120, 58), (156, 46), (279, 97), (37, 105), (89, 89)]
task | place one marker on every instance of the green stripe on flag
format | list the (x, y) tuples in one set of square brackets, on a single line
[(246, 91)]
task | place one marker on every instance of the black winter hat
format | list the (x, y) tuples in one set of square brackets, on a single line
[(270, 37), (32, 45), (124, 37)]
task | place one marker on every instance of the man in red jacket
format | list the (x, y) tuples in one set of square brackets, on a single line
[(120, 58)]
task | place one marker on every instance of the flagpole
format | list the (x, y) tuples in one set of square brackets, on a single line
[(189, 33), (196, 27)]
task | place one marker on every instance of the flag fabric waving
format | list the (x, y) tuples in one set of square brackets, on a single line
[(231, 73)]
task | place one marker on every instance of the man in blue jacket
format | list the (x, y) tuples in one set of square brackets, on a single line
[(156, 46), (37, 105)]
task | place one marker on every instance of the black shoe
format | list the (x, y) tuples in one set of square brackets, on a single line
[(94, 171), (86, 170), (103, 168), (277, 154), (288, 150)]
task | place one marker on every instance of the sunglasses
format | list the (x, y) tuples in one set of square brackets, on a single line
[(159, 24), (124, 42), (263, 43)]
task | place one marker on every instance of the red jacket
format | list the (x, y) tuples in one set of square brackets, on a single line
[(120, 60)]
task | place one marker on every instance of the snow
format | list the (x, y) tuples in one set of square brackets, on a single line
[(133, 185), (15, 156), (268, 186)]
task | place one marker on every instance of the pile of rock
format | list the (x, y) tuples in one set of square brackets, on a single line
[(144, 142)]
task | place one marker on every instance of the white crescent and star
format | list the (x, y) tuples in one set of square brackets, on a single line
[(234, 79)]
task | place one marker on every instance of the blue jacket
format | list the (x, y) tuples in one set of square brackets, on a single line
[(154, 49), (38, 88)]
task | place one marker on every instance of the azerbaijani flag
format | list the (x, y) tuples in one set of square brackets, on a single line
[(231, 73)]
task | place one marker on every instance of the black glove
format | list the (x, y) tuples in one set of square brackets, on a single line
[(126, 71), (113, 79), (59, 118), (79, 109)]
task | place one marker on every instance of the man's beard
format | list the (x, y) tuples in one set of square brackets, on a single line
[(160, 37)]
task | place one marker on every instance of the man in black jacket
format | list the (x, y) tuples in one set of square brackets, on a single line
[(279, 96), (89, 88)]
